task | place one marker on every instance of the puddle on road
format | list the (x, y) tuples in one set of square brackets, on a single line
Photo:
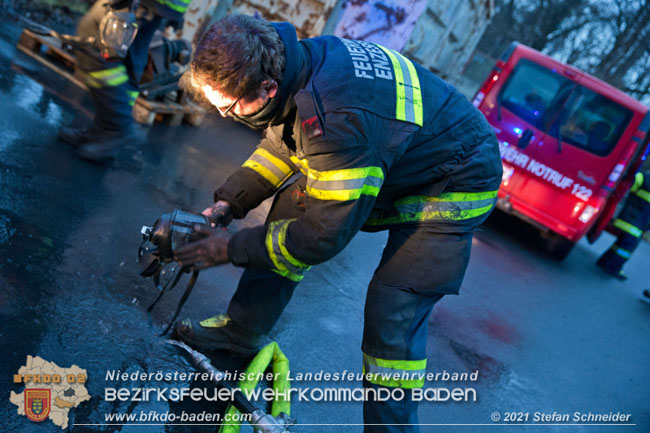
[(26, 93), (84, 323)]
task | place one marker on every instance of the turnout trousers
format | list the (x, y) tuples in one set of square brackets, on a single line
[(418, 267), (615, 257), (113, 83)]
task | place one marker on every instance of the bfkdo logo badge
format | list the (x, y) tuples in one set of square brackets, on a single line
[(37, 403)]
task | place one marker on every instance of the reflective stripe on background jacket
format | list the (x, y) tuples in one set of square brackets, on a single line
[(635, 215), (381, 141), (171, 10)]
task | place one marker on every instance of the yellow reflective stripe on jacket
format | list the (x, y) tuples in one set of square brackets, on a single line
[(107, 77), (636, 187), (409, 95), (345, 184), (270, 354), (268, 166), (394, 373), (285, 264), (133, 95), (449, 206), (628, 228), (302, 164), (638, 181), (177, 5)]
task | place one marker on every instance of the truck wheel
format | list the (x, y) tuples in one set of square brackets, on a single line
[(558, 246)]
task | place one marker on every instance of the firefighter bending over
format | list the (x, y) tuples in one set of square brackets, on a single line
[(381, 143)]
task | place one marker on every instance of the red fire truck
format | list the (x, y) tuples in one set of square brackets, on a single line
[(570, 144)]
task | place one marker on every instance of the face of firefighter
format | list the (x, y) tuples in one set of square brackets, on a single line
[(240, 106)]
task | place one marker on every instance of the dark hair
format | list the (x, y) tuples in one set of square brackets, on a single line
[(236, 54)]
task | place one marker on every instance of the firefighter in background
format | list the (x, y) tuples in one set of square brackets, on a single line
[(382, 144), (122, 30), (632, 222)]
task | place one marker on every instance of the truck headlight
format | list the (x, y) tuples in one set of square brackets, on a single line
[(507, 173), (587, 214)]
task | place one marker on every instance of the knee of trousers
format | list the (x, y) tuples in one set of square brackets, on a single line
[(260, 299), (628, 242), (421, 260), (395, 321)]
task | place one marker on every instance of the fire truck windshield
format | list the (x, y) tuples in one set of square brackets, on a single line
[(558, 106)]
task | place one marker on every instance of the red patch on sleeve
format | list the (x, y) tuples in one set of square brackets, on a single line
[(312, 128)]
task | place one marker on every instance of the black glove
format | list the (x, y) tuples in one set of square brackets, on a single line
[(219, 214)]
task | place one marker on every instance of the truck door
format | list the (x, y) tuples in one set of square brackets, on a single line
[(521, 111)]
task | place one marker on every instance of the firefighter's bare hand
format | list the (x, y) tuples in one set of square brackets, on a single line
[(219, 213), (210, 251)]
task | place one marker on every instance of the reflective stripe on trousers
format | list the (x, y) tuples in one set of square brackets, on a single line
[(627, 228), (621, 252), (394, 373)]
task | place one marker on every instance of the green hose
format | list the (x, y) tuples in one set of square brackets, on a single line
[(271, 353)]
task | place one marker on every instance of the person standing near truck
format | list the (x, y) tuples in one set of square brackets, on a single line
[(632, 222)]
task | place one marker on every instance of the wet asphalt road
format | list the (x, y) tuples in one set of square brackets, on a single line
[(544, 336)]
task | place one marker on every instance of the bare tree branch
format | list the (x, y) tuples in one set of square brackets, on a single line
[(610, 39)]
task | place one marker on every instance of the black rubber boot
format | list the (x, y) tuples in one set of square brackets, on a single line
[(106, 143), (645, 296), (76, 136), (218, 333)]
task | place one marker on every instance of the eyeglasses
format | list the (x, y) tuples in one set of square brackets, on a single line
[(225, 112), (212, 95)]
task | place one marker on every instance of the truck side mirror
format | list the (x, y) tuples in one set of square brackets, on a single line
[(525, 139)]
